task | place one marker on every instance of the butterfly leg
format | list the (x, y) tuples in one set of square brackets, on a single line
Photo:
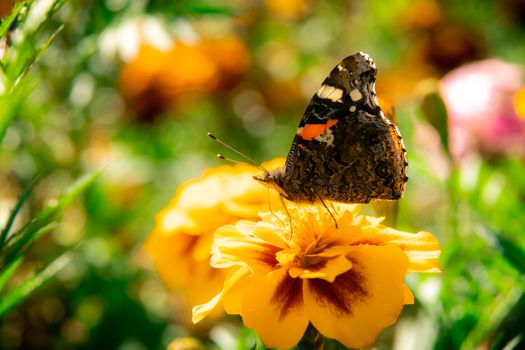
[(281, 197), (271, 210), (333, 207), (329, 212)]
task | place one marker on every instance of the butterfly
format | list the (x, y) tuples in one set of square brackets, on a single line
[(345, 148)]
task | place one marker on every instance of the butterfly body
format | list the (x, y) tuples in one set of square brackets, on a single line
[(345, 149)]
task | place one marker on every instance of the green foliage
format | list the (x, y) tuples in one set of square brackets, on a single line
[(25, 21), (21, 292), (22, 28), (17, 244)]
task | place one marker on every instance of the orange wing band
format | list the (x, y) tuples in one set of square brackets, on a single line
[(311, 131)]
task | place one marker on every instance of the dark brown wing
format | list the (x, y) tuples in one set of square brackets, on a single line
[(345, 149)]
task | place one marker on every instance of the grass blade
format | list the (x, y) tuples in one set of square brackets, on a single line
[(20, 202), (512, 252), (9, 20), (11, 103), (18, 242), (6, 275), (24, 69), (21, 292)]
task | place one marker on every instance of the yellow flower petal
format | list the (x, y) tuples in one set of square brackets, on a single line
[(335, 251), (203, 310), (408, 297), (360, 303), (232, 300), (203, 275), (166, 249), (235, 247), (273, 306), (422, 248), (271, 235), (327, 269)]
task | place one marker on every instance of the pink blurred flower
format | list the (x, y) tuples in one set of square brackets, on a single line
[(481, 112)]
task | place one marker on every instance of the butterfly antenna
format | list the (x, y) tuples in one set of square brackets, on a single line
[(223, 157), (251, 162)]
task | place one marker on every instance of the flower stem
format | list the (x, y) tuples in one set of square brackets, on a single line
[(312, 339)]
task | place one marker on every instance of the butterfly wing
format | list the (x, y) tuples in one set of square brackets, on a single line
[(345, 149)]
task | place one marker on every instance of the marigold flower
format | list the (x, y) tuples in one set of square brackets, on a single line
[(182, 237), (348, 282)]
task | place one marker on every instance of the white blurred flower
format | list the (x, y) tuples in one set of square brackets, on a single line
[(124, 40)]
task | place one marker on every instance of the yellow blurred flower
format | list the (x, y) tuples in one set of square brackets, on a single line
[(347, 282), (186, 343), (182, 237), (290, 9)]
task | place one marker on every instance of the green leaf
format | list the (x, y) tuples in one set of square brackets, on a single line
[(513, 253), (211, 8), (39, 12), (11, 219), (20, 293), (6, 275), (436, 112), (19, 57), (491, 317), (17, 243), (8, 21), (195, 7), (11, 103), (24, 68)]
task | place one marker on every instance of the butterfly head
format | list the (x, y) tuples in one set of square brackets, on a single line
[(274, 179)]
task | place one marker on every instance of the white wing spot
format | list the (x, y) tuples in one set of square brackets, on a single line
[(355, 95), (326, 137), (372, 89), (352, 109), (330, 92)]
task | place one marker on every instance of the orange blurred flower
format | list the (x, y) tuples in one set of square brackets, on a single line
[(422, 14), (5, 7), (155, 77), (387, 106), (347, 282), (182, 237)]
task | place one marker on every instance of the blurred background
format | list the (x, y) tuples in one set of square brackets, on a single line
[(131, 87)]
